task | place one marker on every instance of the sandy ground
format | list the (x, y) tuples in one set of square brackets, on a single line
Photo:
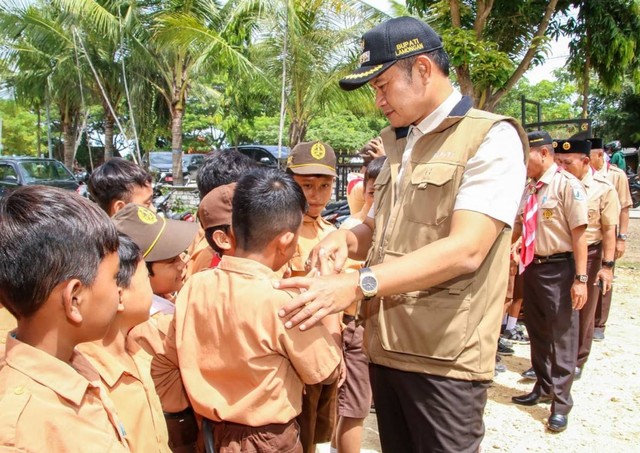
[(606, 413)]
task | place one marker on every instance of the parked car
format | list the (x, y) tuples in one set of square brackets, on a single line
[(16, 171), (265, 154), (161, 165)]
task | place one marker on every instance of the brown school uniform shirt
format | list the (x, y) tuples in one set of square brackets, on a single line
[(49, 405), (200, 255), (562, 206), (619, 180), (311, 232), (157, 338), (603, 205), (237, 360), (133, 394)]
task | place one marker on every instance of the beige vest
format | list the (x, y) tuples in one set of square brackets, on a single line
[(451, 329)]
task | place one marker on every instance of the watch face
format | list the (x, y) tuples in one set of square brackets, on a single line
[(369, 283)]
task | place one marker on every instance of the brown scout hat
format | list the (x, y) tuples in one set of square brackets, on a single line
[(158, 238), (312, 158), (215, 208)]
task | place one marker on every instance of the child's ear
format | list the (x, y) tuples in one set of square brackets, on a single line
[(72, 298), (222, 240), (285, 241), (116, 206), (121, 293)]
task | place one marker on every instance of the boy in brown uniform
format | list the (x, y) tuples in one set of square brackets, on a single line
[(123, 366), (618, 178), (58, 266), (242, 369), (604, 212), (554, 255), (313, 166)]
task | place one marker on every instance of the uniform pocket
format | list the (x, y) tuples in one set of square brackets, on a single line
[(549, 210), (430, 323), (430, 196)]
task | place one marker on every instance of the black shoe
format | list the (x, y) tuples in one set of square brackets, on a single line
[(515, 336), (578, 374), (557, 422), (529, 374), (530, 399), (503, 349)]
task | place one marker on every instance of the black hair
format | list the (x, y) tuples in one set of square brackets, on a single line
[(130, 255), (439, 57), (266, 203), (208, 234), (222, 168), (115, 180), (374, 167), (150, 268), (48, 236)]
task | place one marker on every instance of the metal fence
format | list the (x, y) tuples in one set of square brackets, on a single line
[(346, 163)]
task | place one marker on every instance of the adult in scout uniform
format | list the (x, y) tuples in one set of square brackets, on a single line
[(554, 256), (604, 212), (313, 165), (618, 178), (444, 203)]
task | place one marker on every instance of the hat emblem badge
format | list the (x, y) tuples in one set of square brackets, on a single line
[(318, 151), (566, 146), (146, 216)]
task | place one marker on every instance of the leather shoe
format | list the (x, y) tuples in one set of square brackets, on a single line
[(578, 374), (530, 399), (529, 374), (557, 422)]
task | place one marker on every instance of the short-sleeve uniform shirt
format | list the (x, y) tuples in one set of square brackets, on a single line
[(312, 231), (619, 180), (603, 204)]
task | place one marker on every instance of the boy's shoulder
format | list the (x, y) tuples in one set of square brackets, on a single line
[(15, 394)]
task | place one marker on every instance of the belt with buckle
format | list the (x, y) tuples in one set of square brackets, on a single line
[(555, 258)]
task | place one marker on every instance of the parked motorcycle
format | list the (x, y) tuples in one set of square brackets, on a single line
[(163, 208), (336, 212), (634, 188)]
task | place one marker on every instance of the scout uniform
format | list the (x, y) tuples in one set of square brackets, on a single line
[(619, 180), (552, 324), (133, 394), (317, 419), (200, 254), (160, 239), (604, 210), (49, 405), (241, 367)]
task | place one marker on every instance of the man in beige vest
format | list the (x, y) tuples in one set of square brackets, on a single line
[(433, 293), (604, 212), (619, 180), (555, 282)]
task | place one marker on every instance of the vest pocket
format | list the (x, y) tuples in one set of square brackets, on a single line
[(430, 195), (430, 324)]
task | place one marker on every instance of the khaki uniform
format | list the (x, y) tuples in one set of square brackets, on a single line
[(238, 362), (619, 180), (552, 324), (200, 255), (133, 394), (49, 405), (311, 232), (604, 210)]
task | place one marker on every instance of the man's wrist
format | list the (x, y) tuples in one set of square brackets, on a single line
[(622, 237)]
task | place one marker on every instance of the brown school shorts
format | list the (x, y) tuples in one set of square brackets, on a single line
[(354, 397), (273, 438)]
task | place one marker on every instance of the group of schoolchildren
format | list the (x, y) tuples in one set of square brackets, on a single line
[(128, 331)]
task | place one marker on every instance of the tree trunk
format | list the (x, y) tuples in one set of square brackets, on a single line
[(109, 121), (69, 138), (176, 145), (38, 133), (297, 132)]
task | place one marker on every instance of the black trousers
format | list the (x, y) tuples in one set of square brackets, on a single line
[(553, 328), (424, 413), (588, 312)]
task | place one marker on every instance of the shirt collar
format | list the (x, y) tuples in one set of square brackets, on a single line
[(246, 266), (587, 181), (69, 380), (436, 117), (318, 221), (548, 175), (111, 369)]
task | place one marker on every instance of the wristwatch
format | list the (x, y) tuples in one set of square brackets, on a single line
[(368, 283), (622, 237), (608, 264), (582, 278)]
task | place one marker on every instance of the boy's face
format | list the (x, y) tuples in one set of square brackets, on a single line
[(369, 191), (137, 297), (142, 195), (168, 275), (317, 191), (101, 299)]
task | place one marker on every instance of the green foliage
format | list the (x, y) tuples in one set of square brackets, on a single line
[(345, 132), (19, 129), (616, 116)]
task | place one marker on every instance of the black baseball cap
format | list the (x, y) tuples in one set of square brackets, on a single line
[(387, 43)]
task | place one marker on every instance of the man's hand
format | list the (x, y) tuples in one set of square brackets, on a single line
[(605, 275), (578, 295), (335, 246), (620, 249), (376, 148), (324, 295)]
